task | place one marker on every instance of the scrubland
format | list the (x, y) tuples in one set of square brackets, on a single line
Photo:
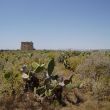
[(91, 76)]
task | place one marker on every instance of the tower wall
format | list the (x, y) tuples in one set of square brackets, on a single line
[(27, 46)]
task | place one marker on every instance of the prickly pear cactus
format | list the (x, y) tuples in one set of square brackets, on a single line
[(48, 93), (37, 67), (51, 66), (34, 65)]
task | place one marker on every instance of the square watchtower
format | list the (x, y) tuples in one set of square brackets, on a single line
[(27, 46)]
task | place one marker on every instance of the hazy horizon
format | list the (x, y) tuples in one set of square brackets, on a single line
[(55, 24)]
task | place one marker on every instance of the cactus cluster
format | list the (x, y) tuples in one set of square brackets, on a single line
[(52, 86), (63, 56)]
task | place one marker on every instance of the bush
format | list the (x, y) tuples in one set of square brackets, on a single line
[(74, 62), (96, 68)]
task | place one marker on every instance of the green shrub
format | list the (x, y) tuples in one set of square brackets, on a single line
[(74, 62)]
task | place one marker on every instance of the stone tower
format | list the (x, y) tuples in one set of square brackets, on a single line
[(27, 46)]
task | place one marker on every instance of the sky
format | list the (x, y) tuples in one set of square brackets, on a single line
[(55, 24)]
